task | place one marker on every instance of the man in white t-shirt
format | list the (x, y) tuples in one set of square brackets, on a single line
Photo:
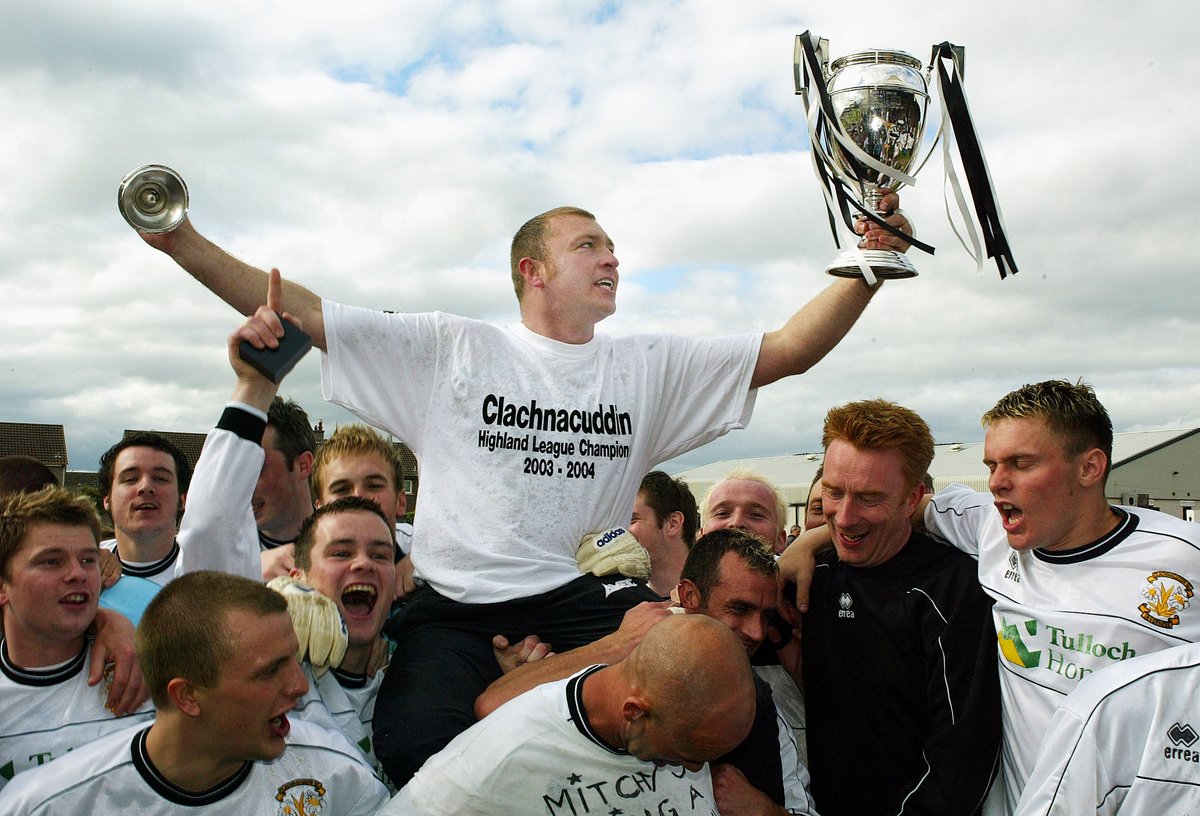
[(631, 737), (219, 655), (531, 435)]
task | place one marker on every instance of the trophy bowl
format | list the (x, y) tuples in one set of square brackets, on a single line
[(153, 198), (880, 100)]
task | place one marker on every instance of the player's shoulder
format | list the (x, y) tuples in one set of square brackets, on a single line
[(1152, 523), (958, 499), (1174, 669), (68, 774), (306, 736), (935, 560)]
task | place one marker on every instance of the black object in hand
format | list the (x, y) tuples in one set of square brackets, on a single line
[(274, 364)]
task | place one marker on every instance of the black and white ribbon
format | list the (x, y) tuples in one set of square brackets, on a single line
[(956, 121), (825, 131)]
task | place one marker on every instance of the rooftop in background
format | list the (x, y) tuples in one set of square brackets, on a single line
[(954, 462), (46, 443), (190, 444)]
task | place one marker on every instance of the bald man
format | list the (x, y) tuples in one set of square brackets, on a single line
[(633, 736)]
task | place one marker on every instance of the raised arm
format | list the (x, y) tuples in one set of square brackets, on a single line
[(236, 282), (263, 330), (812, 332), (218, 530)]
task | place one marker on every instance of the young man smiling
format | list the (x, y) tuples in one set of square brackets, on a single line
[(588, 415), (49, 592), (357, 461), (748, 501), (144, 479), (346, 551)]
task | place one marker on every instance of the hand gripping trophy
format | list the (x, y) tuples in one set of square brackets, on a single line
[(866, 116)]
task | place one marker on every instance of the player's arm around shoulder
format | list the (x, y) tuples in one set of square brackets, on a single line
[(608, 649)]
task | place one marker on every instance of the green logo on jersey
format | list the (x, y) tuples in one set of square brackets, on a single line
[(1013, 647)]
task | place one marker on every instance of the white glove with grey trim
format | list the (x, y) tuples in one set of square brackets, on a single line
[(612, 551), (317, 621)]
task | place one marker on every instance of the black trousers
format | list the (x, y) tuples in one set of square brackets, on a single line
[(443, 658)]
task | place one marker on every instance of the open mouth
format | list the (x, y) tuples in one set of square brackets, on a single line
[(607, 283), (359, 599), (74, 599), (279, 725), (1011, 516)]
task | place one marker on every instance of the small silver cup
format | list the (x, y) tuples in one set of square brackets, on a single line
[(153, 198)]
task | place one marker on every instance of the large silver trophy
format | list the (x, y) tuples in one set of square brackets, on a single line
[(866, 114)]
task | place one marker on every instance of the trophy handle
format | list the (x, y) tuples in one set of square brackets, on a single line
[(820, 49)]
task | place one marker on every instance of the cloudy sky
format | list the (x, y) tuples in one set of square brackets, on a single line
[(382, 153)]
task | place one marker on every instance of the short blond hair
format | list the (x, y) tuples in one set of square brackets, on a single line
[(747, 475), (356, 440), (1072, 412)]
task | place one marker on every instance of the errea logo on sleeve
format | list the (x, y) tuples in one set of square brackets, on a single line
[(1184, 737)]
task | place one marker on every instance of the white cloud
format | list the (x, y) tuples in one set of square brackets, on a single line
[(384, 153)]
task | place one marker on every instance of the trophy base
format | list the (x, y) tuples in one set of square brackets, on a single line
[(886, 265)]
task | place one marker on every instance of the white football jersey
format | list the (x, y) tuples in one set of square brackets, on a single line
[(1126, 741), (318, 774), (1060, 617), (47, 712)]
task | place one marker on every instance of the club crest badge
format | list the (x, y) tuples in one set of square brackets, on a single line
[(1167, 594), (301, 797)]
